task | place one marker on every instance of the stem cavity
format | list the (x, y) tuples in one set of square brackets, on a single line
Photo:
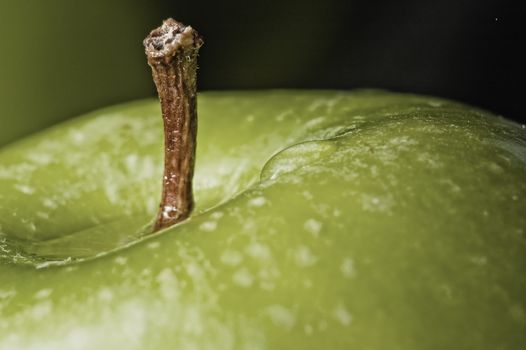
[(172, 52)]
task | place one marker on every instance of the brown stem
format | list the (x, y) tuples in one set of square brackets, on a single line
[(172, 54)]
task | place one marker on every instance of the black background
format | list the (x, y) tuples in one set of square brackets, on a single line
[(467, 50)]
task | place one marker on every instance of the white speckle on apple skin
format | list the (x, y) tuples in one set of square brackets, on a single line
[(325, 104), (208, 226), (267, 285), (313, 122), (7, 294), (446, 291), (342, 315), (347, 268), (402, 142), (40, 157), (304, 257), (308, 195), (195, 270), (40, 310), (380, 203), (70, 268), (43, 293), (257, 202), (435, 104), (433, 161), (258, 251), (49, 203), (121, 260), (217, 215), (243, 278), (77, 137), (168, 283), (154, 245), (25, 189), (231, 257), (517, 313), (452, 186), (42, 215), (495, 168), (105, 295), (281, 316), (31, 226), (313, 226), (479, 260), (131, 162), (281, 116), (5, 297)]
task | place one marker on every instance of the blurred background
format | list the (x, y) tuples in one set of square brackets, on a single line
[(62, 58)]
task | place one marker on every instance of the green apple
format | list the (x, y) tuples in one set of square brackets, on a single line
[(323, 220)]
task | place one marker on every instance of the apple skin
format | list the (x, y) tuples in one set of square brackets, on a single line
[(338, 220)]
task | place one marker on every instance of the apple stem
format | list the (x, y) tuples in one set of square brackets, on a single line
[(172, 52)]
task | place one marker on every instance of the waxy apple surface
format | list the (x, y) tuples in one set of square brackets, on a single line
[(324, 220)]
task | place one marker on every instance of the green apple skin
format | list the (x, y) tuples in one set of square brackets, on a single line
[(324, 220)]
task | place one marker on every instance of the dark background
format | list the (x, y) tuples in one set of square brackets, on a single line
[(62, 58), (467, 50)]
